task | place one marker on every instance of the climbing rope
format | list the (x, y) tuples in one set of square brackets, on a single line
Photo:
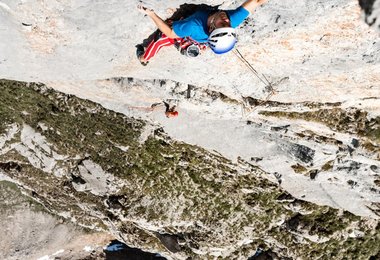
[(262, 78), (242, 59)]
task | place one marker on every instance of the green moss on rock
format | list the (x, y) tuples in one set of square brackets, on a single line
[(180, 189), (350, 121)]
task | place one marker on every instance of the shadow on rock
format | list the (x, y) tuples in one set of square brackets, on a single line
[(117, 250)]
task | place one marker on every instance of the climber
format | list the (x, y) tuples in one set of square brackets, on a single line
[(170, 110), (169, 104), (212, 27)]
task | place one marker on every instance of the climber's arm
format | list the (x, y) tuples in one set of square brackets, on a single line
[(162, 26)]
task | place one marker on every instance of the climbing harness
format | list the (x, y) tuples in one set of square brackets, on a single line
[(189, 47), (262, 78)]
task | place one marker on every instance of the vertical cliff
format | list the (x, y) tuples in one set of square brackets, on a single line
[(289, 169)]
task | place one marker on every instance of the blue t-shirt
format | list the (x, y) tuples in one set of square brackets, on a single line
[(195, 26)]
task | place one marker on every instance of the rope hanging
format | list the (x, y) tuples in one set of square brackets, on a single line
[(262, 78), (242, 59)]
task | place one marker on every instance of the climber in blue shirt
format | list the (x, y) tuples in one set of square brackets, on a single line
[(214, 28)]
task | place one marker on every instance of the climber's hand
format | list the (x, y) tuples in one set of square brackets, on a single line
[(145, 10)]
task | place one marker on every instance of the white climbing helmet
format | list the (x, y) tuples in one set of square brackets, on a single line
[(222, 40)]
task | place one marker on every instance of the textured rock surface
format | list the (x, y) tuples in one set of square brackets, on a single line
[(160, 195), (316, 137), (29, 231), (276, 136)]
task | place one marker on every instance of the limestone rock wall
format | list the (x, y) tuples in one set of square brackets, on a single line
[(159, 195), (314, 133)]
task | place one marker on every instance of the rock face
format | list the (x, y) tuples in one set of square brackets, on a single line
[(289, 119), (371, 10), (28, 230), (105, 171)]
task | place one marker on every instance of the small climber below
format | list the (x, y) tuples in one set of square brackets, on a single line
[(213, 28), (170, 106), (170, 111)]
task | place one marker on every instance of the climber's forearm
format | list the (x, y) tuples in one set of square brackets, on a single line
[(162, 26)]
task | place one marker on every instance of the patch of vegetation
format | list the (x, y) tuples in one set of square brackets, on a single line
[(324, 223), (12, 199), (163, 183), (328, 166), (372, 147), (219, 95), (350, 121), (298, 168)]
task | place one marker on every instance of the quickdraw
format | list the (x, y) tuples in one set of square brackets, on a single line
[(189, 47)]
